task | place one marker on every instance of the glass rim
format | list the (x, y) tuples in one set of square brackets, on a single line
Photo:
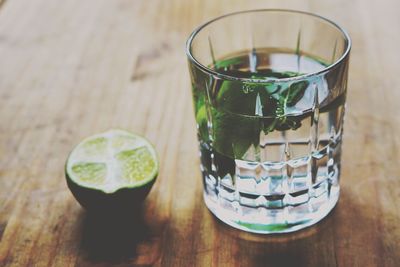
[(212, 72)]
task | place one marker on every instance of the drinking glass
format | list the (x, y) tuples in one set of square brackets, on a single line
[(269, 90)]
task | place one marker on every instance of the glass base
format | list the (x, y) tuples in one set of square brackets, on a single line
[(270, 221)]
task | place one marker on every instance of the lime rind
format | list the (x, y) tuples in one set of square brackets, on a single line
[(111, 161)]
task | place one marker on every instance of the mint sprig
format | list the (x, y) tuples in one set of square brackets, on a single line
[(287, 97)]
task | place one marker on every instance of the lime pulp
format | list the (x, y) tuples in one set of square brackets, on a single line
[(112, 160)]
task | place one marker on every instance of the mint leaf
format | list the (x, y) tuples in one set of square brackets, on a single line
[(293, 93), (234, 134), (201, 120)]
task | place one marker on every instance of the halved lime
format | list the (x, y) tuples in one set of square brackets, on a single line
[(112, 170)]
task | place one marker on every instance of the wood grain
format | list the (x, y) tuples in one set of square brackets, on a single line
[(72, 68)]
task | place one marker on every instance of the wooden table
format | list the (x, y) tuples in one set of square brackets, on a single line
[(69, 69)]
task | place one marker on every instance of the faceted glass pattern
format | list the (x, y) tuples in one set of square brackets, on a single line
[(285, 176)]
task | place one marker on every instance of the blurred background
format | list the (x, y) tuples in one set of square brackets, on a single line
[(72, 68)]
